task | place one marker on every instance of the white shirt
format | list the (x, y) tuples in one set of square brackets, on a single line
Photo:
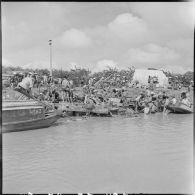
[(59, 80), (45, 78), (65, 83), (174, 101), (90, 81), (71, 83), (148, 92), (26, 83), (186, 101), (167, 102)]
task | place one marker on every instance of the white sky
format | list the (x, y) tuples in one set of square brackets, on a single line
[(94, 35)]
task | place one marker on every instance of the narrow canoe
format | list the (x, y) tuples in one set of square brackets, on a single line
[(180, 109), (114, 110), (100, 111)]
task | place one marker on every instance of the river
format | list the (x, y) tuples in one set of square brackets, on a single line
[(146, 154)]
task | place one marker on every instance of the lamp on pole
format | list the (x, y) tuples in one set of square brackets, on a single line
[(50, 43)]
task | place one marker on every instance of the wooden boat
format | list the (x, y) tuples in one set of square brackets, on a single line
[(82, 109), (25, 114), (30, 124), (180, 108), (71, 109), (100, 111)]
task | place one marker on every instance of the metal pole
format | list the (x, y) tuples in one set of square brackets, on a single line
[(50, 43)]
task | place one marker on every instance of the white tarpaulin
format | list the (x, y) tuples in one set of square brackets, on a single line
[(142, 75)]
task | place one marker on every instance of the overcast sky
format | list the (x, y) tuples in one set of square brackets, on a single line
[(94, 35)]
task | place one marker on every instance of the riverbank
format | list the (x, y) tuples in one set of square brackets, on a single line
[(108, 100)]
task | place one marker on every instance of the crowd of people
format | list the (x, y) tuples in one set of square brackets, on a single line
[(159, 101), (98, 92), (38, 80), (44, 88)]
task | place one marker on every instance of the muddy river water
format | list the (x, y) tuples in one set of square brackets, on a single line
[(146, 154)]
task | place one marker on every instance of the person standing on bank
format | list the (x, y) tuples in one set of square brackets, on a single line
[(71, 89), (65, 89)]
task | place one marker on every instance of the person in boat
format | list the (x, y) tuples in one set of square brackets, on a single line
[(149, 79), (94, 98), (138, 101), (71, 89), (49, 80), (39, 81), (173, 101), (26, 84), (49, 95), (167, 101), (41, 97), (55, 96), (44, 79), (160, 102), (185, 100), (146, 108), (164, 95), (148, 92), (154, 106), (118, 93), (90, 82), (114, 93), (151, 102), (100, 97), (43, 94), (89, 104), (124, 96), (65, 89)]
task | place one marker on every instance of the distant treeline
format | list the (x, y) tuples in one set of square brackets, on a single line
[(79, 75)]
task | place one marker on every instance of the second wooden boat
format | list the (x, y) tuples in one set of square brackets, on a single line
[(180, 109)]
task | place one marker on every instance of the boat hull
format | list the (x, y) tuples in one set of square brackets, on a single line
[(101, 111), (180, 109), (81, 109), (114, 110), (30, 124), (20, 113)]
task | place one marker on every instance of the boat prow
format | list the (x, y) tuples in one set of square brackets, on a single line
[(180, 109)]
